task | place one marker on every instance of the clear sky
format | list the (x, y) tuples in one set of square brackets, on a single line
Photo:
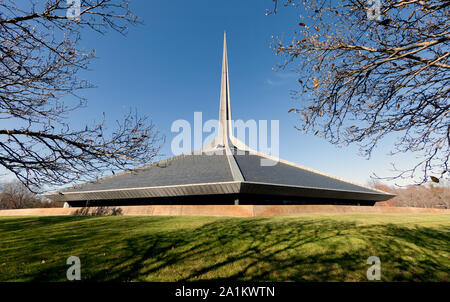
[(170, 67)]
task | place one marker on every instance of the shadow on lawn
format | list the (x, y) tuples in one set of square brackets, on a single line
[(258, 250), (254, 250)]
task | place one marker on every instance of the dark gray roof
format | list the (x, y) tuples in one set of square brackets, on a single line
[(285, 174), (180, 170), (196, 169)]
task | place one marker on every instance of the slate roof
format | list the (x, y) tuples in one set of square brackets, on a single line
[(180, 170), (285, 174), (201, 169)]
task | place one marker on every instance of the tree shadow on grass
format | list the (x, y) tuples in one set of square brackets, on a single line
[(257, 249)]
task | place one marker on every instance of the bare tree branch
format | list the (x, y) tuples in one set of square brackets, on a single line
[(363, 79), (40, 59)]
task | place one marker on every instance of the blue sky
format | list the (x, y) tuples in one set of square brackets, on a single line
[(170, 67)]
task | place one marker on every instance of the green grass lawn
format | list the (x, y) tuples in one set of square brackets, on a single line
[(301, 248)]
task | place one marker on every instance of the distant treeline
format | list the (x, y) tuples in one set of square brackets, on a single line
[(423, 196), (15, 195)]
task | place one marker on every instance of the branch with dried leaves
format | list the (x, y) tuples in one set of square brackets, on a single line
[(40, 59), (362, 79)]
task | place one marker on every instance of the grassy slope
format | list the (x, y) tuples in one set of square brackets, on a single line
[(301, 248)]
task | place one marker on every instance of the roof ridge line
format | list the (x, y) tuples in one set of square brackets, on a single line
[(236, 171)]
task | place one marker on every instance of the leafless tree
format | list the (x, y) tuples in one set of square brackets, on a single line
[(371, 69), (422, 196), (15, 195), (40, 59)]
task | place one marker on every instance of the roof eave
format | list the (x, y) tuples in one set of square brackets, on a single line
[(233, 187)]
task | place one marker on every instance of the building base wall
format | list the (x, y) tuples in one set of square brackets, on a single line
[(222, 210)]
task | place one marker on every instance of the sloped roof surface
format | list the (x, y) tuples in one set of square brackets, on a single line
[(285, 174), (195, 169), (180, 170)]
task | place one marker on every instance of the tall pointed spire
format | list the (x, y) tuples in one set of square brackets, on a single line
[(225, 139), (225, 109)]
